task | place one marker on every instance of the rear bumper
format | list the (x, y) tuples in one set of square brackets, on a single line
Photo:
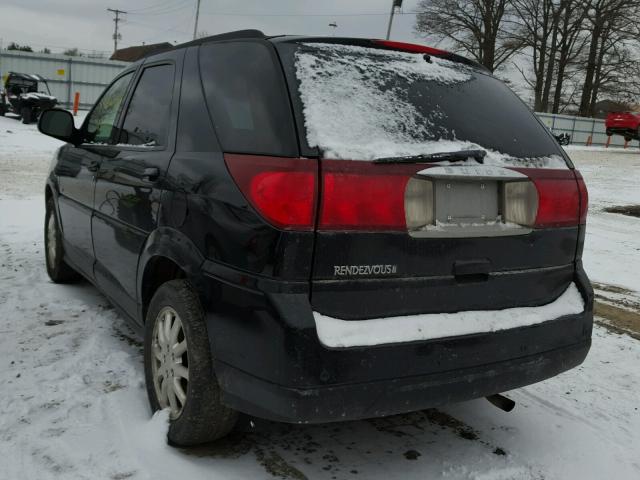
[(271, 364), (389, 397)]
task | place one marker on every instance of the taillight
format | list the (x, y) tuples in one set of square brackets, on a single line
[(282, 190), (584, 198), (559, 197), (364, 196), (410, 47)]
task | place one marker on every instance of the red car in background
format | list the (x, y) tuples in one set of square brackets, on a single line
[(626, 124)]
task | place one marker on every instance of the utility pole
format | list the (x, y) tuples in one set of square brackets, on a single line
[(394, 4), (116, 20), (195, 26)]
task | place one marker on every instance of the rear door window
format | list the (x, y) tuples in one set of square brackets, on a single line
[(149, 113), (247, 97)]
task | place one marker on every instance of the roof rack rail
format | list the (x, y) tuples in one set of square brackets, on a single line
[(238, 34)]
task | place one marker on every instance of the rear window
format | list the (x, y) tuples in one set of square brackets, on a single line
[(247, 97), (364, 103)]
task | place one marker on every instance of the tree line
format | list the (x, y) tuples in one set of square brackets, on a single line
[(571, 53), (69, 52)]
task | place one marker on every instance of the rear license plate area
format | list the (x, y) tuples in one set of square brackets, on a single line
[(466, 203)]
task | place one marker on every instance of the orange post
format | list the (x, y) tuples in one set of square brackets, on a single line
[(608, 141), (589, 140), (76, 103)]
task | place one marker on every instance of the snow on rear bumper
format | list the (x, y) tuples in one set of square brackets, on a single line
[(337, 333)]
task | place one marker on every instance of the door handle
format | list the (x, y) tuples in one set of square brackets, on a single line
[(150, 173)]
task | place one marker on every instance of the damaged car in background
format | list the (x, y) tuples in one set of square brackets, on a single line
[(26, 95)]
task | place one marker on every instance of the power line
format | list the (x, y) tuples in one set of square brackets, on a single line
[(166, 9), (162, 4), (116, 20), (308, 14)]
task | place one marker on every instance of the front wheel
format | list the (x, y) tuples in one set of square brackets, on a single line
[(179, 367), (57, 268)]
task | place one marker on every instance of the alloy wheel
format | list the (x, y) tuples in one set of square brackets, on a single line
[(170, 365)]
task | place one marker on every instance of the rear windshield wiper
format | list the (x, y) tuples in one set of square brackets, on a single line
[(459, 156)]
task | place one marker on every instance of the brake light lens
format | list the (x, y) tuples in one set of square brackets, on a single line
[(364, 196), (584, 198), (410, 47), (282, 190), (559, 197)]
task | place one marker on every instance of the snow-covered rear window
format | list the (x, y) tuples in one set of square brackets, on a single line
[(363, 103)]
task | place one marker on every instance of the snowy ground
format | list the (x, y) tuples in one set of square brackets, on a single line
[(73, 404)]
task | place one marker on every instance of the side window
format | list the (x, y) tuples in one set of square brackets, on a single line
[(102, 119), (247, 97), (149, 114)]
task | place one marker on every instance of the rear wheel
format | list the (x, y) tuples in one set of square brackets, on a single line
[(179, 367), (26, 114), (57, 268)]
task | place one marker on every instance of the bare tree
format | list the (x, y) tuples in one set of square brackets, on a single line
[(613, 29), (550, 30), (475, 27), (571, 43)]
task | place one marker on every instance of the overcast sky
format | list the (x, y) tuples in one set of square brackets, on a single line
[(87, 25)]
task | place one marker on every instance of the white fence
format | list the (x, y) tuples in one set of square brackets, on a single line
[(65, 75), (580, 129)]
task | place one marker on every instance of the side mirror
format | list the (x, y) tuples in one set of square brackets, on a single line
[(58, 124)]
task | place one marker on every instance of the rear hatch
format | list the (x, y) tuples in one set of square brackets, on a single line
[(439, 191)]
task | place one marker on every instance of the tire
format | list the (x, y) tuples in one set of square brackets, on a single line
[(27, 115), (57, 268), (200, 416)]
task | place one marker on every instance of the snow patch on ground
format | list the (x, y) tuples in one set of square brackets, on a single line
[(612, 244), (338, 333)]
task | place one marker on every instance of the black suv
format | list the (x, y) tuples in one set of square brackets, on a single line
[(321, 229)]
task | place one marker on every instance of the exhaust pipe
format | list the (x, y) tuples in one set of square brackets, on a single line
[(502, 402)]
